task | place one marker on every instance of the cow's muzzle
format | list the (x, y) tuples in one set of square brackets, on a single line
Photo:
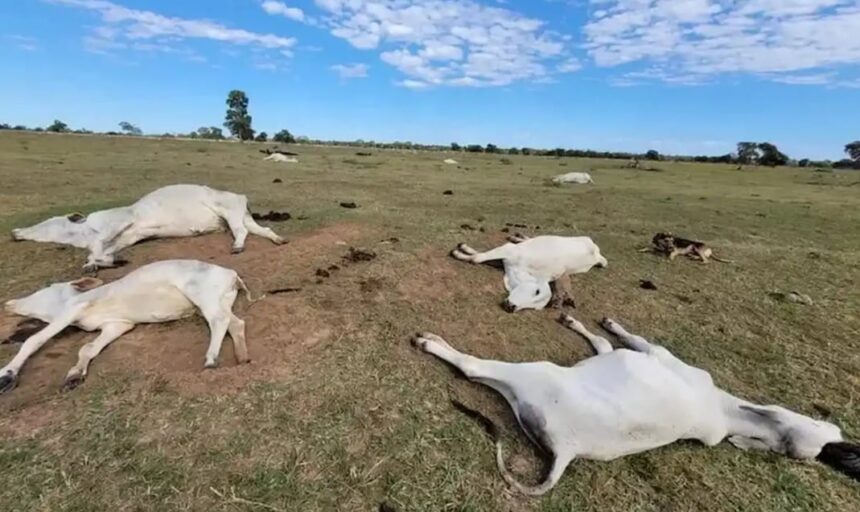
[(15, 236), (507, 306)]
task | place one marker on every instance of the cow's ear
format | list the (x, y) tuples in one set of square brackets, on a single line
[(76, 217), (86, 283)]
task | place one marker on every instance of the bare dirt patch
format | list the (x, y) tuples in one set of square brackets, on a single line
[(279, 329)]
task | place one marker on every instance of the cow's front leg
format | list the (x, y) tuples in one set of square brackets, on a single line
[(88, 352), (562, 295)]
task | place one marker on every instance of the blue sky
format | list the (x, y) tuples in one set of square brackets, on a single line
[(679, 76)]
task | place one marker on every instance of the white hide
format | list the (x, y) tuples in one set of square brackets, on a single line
[(158, 292), (622, 402), (172, 211), (450, 161), (277, 157), (580, 178), (531, 265)]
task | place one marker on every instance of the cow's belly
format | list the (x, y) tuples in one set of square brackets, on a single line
[(177, 221), (552, 268), (626, 402), (158, 303)]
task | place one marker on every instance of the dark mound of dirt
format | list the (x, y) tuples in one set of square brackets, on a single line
[(647, 285), (272, 216), (29, 327), (357, 255), (448, 193), (350, 205)]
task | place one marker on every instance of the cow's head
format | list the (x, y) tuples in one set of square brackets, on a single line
[(786, 432), (47, 303), (525, 291), (69, 229)]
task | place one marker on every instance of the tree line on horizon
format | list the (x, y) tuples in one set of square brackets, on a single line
[(239, 121)]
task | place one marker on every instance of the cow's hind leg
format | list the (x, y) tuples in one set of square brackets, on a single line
[(465, 253), (215, 304), (236, 328), (256, 229), (495, 374), (88, 352)]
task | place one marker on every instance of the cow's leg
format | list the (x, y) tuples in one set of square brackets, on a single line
[(465, 253), (9, 373), (88, 352), (632, 341), (256, 229), (236, 328), (236, 223), (495, 374), (562, 295), (600, 344)]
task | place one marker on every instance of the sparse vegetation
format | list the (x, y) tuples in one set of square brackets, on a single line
[(338, 411)]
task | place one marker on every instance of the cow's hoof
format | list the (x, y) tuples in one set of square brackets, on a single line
[(281, 241), (8, 382), (608, 323), (210, 365), (72, 382), (237, 250)]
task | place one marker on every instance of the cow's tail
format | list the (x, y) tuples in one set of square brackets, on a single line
[(245, 289), (555, 472)]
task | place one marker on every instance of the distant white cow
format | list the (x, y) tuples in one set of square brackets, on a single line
[(580, 178), (450, 161), (172, 211), (622, 402), (158, 292), (531, 264), (278, 157)]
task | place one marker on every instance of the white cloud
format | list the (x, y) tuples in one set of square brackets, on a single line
[(125, 28), (350, 70), (280, 8), (569, 66), (25, 43), (697, 38), (449, 42)]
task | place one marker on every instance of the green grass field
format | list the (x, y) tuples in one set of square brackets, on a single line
[(339, 412)]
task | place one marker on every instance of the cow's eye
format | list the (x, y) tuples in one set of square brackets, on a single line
[(537, 292)]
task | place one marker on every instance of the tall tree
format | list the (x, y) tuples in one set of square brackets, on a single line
[(284, 136), (262, 137), (58, 126), (237, 120), (130, 128), (853, 150), (771, 155), (747, 152)]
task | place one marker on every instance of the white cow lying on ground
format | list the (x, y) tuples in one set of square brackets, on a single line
[(622, 402), (531, 264), (154, 293), (172, 211), (573, 177), (278, 157), (450, 161)]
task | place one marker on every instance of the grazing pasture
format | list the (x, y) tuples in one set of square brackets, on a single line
[(337, 410)]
